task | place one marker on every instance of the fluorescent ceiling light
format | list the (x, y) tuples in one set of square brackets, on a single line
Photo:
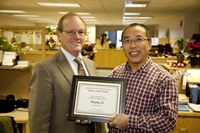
[(93, 23), (137, 18), (83, 13), (12, 11), (36, 16), (127, 23), (62, 12), (43, 19), (87, 17), (135, 5), (58, 4), (131, 13), (46, 21), (78, 13), (90, 20)]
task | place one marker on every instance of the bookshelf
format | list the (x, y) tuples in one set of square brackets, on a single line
[(15, 80), (30, 40)]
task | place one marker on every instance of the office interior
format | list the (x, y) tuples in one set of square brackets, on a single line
[(33, 31)]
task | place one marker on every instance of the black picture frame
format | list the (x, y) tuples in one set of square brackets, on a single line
[(96, 98)]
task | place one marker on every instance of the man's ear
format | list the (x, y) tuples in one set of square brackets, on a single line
[(58, 33), (149, 45)]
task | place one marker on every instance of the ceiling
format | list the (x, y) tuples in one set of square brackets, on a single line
[(106, 12)]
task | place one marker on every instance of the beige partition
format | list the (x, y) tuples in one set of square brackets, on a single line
[(104, 58), (35, 57), (32, 57), (109, 58)]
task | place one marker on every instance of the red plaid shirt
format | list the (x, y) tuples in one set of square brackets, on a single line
[(151, 98)]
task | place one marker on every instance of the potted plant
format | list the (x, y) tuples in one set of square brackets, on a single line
[(181, 44), (192, 50), (6, 46)]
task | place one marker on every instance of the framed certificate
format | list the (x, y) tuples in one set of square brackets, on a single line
[(96, 98)]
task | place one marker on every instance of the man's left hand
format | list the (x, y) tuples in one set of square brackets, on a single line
[(119, 121)]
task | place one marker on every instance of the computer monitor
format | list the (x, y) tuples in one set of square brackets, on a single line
[(155, 41)]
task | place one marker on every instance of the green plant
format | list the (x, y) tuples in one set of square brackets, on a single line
[(181, 44), (6, 46)]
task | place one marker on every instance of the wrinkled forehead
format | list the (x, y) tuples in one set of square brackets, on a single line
[(73, 22)]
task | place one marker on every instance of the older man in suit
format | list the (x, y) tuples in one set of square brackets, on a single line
[(50, 84)]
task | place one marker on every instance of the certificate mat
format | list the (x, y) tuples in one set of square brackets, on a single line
[(96, 98)]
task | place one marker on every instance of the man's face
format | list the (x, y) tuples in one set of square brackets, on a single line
[(136, 45), (72, 37)]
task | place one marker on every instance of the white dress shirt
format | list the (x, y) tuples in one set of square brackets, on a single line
[(72, 63)]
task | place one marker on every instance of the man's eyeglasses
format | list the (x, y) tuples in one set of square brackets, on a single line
[(137, 40), (73, 33)]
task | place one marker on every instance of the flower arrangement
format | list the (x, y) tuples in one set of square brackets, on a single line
[(193, 47), (88, 47), (88, 50)]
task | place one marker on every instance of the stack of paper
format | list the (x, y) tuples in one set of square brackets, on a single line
[(22, 64), (183, 99), (183, 108), (9, 58), (194, 107)]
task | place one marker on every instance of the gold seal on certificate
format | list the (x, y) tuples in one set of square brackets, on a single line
[(96, 98)]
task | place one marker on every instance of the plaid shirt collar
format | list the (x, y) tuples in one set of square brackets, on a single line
[(144, 68)]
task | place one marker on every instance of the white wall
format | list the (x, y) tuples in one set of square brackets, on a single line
[(172, 29), (180, 27), (192, 21), (92, 33)]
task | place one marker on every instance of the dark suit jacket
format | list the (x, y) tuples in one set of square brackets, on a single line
[(50, 88)]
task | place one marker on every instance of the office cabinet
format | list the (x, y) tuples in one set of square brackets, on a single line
[(15, 80), (188, 122)]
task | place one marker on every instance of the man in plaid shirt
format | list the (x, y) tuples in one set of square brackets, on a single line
[(152, 94)]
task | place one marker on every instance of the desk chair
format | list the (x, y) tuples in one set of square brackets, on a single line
[(8, 125)]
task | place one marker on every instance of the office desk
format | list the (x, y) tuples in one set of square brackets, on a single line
[(173, 69), (20, 85), (21, 117), (188, 122)]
